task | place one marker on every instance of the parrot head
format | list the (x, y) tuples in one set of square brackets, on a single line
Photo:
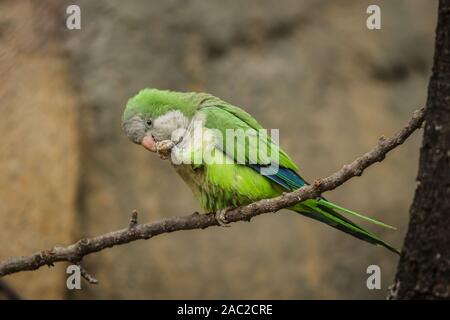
[(153, 115)]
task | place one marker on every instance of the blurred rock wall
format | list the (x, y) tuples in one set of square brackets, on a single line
[(39, 157), (310, 68)]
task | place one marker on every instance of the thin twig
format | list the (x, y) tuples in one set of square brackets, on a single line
[(83, 247), (133, 220), (86, 275)]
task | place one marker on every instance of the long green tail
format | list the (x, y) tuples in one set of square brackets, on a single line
[(324, 211)]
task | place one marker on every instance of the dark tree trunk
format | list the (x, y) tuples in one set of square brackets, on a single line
[(424, 267)]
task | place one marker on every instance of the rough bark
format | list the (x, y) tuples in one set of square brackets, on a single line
[(424, 267)]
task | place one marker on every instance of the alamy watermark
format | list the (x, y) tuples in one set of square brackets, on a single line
[(373, 21), (73, 281), (200, 145), (374, 280), (73, 19)]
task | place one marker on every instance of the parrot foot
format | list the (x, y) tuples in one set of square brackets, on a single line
[(163, 148), (221, 219)]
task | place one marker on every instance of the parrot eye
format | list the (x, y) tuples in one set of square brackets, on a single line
[(149, 122)]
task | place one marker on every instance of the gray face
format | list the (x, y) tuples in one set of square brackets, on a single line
[(161, 128), (135, 128)]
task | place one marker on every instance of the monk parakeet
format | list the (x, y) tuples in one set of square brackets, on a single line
[(224, 169)]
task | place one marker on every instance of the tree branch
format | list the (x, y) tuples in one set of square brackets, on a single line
[(135, 231)]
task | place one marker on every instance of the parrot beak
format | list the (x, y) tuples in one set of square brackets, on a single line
[(149, 143)]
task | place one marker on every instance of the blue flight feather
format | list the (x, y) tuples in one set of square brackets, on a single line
[(285, 177)]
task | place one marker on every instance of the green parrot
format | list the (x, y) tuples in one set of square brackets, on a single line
[(224, 169)]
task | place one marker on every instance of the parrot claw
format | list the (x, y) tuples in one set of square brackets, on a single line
[(221, 219), (163, 148)]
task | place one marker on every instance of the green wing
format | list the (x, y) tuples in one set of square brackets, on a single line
[(257, 150), (223, 117)]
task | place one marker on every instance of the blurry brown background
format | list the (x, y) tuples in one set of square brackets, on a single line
[(310, 68)]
